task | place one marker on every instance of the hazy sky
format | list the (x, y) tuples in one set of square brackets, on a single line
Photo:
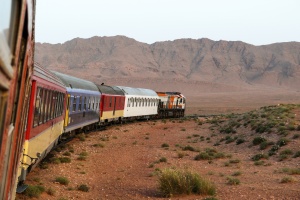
[(256, 22)]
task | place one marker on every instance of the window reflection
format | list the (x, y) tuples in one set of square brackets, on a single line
[(5, 14)]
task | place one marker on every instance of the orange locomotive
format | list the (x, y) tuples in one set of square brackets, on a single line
[(16, 65), (171, 104)]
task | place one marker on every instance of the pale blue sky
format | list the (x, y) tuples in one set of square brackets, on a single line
[(256, 22)]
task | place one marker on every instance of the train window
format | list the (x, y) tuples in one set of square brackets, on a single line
[(56, 105), (59, 103), (110, 101), (132, 100), (96, 103), (5, 31), (128, 103), (46, 105), (37, 108), (62, 104), (89, 103), (53, 104), (74, 104), (41, 106), (84, 103), (49, 105), (93, 101), (6, 9), (54, 99), (80, 102)]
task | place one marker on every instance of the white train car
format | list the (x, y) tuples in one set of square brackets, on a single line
[(139, 102)]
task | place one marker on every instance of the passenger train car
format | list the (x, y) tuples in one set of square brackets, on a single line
[(45, 118), (16, 64), (82, 111), (139, 102), (111, 104)]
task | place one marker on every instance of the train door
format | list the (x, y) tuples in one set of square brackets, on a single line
[(67, 110)]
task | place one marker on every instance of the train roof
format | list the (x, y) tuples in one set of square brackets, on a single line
[(76, 83), (46, 74), (137, 91), (105, 89), (170, 93)]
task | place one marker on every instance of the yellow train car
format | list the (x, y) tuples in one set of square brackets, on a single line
[(45, 119)]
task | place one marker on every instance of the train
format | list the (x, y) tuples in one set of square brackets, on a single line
[(40, 108), (62, 106)]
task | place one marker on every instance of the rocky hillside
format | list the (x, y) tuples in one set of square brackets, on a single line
[(201, 64)]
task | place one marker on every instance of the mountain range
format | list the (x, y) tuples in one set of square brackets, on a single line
[(190, 65)]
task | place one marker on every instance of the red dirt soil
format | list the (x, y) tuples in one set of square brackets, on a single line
[(122, 168)]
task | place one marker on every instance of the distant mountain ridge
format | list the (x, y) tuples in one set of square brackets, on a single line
[(203, 62)]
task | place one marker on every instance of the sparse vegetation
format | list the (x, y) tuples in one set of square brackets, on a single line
[(34, 191), (297, 154), (62, 180), (180, 154), (188, 148), (238, 173), (163, 159), (164, 145), (233, 181), (259, 162), (51, 191), (98, 145), (83, 188), (235, 161), (296, 136), (65, 159), (174, 182), (67, 153), (282, 142), (209, 154), (240, 141), (291, 171), (287, 179), (258, 140), (259, 156)]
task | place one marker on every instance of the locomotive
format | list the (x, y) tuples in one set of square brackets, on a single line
[(40, 108)]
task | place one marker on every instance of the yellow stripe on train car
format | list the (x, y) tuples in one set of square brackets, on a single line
[(109, 114), (67, 112), (42, 142)]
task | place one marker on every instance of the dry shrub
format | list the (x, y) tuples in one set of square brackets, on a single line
[(174, 182)]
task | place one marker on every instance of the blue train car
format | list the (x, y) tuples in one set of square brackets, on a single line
[(83, 110)]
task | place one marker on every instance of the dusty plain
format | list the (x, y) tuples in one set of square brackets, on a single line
[(125, 164)]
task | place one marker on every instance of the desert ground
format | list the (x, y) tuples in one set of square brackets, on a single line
[(123, 161)]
